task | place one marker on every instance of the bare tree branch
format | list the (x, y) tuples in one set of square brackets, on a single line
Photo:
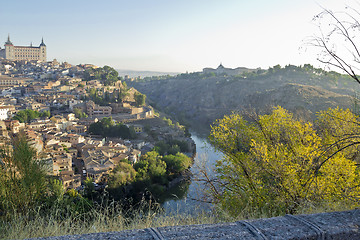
[(338, 40)]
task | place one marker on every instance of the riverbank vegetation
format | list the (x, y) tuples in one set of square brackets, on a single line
[(278, 164), (148, 178)]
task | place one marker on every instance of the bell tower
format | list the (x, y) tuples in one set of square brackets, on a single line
[(42, 53), (9, 49)]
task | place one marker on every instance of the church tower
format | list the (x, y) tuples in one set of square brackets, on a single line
[(42, 56), (9, 49)]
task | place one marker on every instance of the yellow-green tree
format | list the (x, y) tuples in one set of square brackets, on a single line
[(340, 131), (277, 164)]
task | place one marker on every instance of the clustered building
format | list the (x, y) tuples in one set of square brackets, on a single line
[(63, 140), (17, 53)]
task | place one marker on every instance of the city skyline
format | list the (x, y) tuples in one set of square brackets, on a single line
[(169, 36)]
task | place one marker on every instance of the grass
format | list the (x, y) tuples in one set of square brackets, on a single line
[(37, 224), (58, 221), (114, 218)]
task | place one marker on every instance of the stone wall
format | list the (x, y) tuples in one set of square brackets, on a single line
[(336, 225)]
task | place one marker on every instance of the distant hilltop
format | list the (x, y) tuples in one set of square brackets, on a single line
[(229, 71), (142, 74)]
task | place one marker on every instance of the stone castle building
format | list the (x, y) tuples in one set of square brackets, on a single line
[(29, 53)]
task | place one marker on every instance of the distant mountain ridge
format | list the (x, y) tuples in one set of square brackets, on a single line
[(142, 74), (201, 98)]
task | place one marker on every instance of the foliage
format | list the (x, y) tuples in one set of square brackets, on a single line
[(139, 99), (45, 114), (275, 165), (22, 177), (123, 173), (184, 146), (25, 186), (107, 75), (105, 97), (168, 121), (89, 188), (150, 175), (79, 113), (107, 128), (171, 147), (155, 168), (177, 163), (25, 116), (108, 218), (122, 93), (151, 166), (305, 70)]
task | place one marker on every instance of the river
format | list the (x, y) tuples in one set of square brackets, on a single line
[(182, 198)]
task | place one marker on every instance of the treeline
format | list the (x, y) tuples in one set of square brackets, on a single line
[(258, 74), (171, 147), (25, 116)]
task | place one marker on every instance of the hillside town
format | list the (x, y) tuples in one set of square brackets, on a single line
[(61, 138)]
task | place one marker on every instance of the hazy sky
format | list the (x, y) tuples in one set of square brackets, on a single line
[(166, 35)]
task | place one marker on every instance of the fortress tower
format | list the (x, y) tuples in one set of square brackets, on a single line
[(12, 52)]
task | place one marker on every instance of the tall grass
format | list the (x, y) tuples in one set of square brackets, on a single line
[(36, 223), (99, 219)]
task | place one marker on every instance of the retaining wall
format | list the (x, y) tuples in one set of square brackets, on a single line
[(336, 225)]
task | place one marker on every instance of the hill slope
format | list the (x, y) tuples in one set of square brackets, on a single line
[(202, 98)]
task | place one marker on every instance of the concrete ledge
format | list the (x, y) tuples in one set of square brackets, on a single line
[(335, 226)]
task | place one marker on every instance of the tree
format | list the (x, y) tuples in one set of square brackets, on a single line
[(107, 128), (23, 181), (139, 99), (89, 189), (277, 165), (151, 166), (122, 174), (79, 113), (123, 93), (174, 149), (107, 122), (96, 128), (338, 40), (25, 116), (107, 75), (177, 163), (45, 114)]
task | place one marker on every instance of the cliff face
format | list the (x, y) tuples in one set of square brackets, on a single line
[(200, 99)]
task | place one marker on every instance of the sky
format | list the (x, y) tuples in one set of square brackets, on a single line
[(167, 35)]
